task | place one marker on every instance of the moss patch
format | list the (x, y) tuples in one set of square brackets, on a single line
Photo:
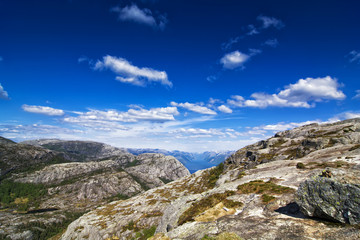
[(267, 198), (207, 203), (264, 188)]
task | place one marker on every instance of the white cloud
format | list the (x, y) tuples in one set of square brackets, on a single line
[(295, 95), (3, 93), (354, 56), (234, 60), (271, 42), (132, 74), (195, 108), (43, 110), (143, 16), (96, 117), (285, 126), (316, 89), (224, 109), (270, 22), (344, 116), (357, 94)]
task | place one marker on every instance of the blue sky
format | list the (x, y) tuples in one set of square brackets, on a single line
[(186, 75)]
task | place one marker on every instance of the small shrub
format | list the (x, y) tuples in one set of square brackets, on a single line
[(300, 165), (214, 175), (147, 233), (264, 188)]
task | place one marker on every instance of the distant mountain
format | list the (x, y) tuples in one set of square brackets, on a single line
[(193, 161), (79, 151)]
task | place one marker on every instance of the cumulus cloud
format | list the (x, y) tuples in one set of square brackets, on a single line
[(132, 74), (271, 42), (194, 107), (301, 94), (224, 109), (142, 16), (43, 110), (3, 93), (132, 115), (234, 60), (354, 56), (270, 22)]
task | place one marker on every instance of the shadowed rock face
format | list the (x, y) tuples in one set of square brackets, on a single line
[(257, 195), (329, 199), (20, 157)]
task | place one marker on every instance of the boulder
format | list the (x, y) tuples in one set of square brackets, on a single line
[(329, 199)]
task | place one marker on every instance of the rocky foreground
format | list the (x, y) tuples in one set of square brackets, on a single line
[(254, 195), (43, 190)]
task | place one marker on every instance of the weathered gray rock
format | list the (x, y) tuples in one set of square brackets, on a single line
[(79, 150), (327, 198)]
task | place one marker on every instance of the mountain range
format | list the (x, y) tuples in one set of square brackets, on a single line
[(302, 183)]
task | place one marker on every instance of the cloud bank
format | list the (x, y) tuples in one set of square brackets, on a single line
[(43, 110), (194, 108), (301, 94)]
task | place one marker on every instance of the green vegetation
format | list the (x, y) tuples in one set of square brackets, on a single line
[(206, 203), (267, 198), (214, 175), (206, 237), (165, 180), (41, 231), (264, 188), (261, 187), (132, 164), (300, 165), (146, 233), (117, 197), (130, 226), (140, 182), (21, 195), (223, 236), (337, 164)]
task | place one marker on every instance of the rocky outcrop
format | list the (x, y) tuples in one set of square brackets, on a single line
[(251, 202), (298, 143), (329, 199)]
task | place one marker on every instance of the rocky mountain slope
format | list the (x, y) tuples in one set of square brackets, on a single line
[(254, 195), (20, 157), (37, 201), (78, 150)]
